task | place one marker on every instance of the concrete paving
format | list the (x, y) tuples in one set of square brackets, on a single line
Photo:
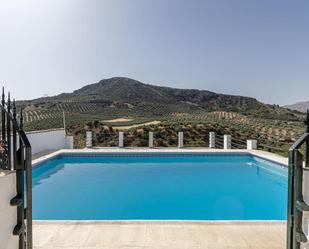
[(159, 235)]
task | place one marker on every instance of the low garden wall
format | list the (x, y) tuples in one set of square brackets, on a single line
[(49, 140)]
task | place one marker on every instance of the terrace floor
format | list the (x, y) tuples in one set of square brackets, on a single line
[(159, 235)]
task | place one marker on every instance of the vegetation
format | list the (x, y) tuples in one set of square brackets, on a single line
[(272, 136), (96, 107)]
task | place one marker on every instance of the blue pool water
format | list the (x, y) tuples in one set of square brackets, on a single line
[(159, 187)]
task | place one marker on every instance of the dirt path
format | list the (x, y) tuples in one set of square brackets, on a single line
[(127, 127)]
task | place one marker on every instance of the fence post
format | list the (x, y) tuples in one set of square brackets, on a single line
[(69, 142), (150, 139), (227, 142), (180, 139), (251, 144), (88, 139), (212, 140), (120, 139)]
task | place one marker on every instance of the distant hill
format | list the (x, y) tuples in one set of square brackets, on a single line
[(150, 100), (135, 107), (300, 106)]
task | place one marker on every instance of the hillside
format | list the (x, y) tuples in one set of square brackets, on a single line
[(123, 96), (126, 104), (300, 106)]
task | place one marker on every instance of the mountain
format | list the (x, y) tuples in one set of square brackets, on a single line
[(125, 104), (300, 106), (121, 97), (122, 90)]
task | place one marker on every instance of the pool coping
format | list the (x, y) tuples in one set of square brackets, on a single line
[(160, 222), (258, 153), (261, 154)]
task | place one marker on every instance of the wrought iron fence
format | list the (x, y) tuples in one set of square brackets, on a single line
[(15, 155), (219, 141), (238, 143), (298, 163), (269, 148)]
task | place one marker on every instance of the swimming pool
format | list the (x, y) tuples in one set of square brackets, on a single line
[(159, 187)]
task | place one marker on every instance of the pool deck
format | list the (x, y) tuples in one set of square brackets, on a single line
[(161, 235)]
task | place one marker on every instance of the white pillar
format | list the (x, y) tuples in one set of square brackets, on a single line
[(180, 139), (251, 145), (88, 139), (227, 142), (212, 140), (120, 139), (69, 142), (150, 139)]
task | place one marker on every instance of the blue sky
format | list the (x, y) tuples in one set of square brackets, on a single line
[(256, 48)]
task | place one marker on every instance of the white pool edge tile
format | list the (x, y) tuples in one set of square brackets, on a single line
[(262, 154), (161, 222)]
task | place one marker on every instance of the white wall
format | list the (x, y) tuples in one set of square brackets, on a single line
[(47, 140), (8, 214)]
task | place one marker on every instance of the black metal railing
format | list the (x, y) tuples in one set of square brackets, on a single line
[(270, 148), (238, 143), (15, 155), (219, 141), (298, 163)]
